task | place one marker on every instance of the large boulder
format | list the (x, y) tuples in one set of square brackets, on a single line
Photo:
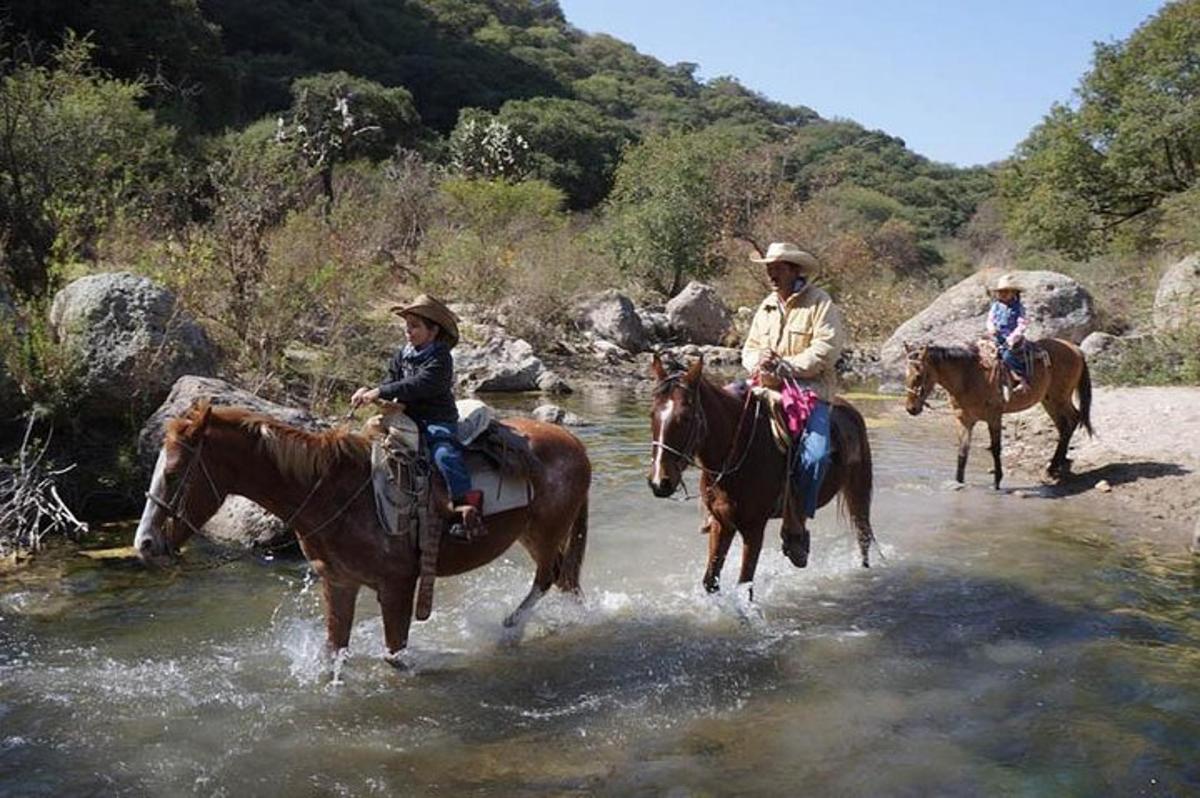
[(611, 316), (698, 315), (500, 364), (656, 325), (1177, 301), (239, 521), (132, 340), (190, 389), (1057, 307)]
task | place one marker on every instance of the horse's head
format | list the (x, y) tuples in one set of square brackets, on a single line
[(182, 490), (676, 424), (918, 379)]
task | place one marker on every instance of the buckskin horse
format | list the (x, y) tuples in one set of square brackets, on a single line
[(319, 483), (975, 395), (743, 474)]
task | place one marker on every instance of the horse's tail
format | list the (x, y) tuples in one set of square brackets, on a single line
[(572, 556), (1085, 398), (860, 479)]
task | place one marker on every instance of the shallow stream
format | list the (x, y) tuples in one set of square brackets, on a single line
[(1005, 646)]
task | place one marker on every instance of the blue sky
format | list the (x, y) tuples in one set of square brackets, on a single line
[(961, 82)]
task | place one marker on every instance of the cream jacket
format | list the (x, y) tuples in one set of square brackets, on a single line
[(808, 334)]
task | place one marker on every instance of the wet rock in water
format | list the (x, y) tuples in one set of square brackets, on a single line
[(549, 382), (611, 316), (1056, 305), (501, 364), (1177, 301), (190, 389), (698, 315), (132, 341), (553, 414)]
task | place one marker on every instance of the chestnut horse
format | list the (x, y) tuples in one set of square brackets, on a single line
[(975, 397), (743, 474), (319, 483)]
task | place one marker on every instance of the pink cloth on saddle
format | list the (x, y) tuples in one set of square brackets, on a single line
[(797, 404)]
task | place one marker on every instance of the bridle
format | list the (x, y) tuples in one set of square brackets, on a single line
[(173, 508), (918, 359), (699, 427)]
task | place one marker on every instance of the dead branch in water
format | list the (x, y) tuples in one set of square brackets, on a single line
[(31, 508)]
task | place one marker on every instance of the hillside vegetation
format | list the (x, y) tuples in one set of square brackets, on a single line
[(288, 167)]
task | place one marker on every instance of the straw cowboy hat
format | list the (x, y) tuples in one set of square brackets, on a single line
[(1008, 282), (789, 253), (427, 308)]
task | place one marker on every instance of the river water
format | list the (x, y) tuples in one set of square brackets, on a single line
[(1006, 646)]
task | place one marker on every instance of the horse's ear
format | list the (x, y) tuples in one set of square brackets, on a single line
[(199, 415), (656, 368), (694, 371)]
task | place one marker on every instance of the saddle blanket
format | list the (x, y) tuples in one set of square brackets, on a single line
[(400, 474)]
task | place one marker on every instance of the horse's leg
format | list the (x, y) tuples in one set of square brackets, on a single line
[(719, 539), (1066, 419), (964, 448), (396, 604), (752, 542), (546, 556), (339, 613), (994, 433), (794, 532)]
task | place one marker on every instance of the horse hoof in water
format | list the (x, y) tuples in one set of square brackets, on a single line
[(396, 660), (797, 556), (712, 585)]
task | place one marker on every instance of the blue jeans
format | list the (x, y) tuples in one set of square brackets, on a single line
[(1014, 361), (446, 453), (813, 455)]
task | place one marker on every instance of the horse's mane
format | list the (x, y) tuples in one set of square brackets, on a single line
[(953, 354), (298, 453)]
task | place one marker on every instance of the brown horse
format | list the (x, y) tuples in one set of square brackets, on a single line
[(743, 474), (975, 396), (319, 484)]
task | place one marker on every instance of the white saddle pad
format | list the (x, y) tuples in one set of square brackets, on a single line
[(500, 493)]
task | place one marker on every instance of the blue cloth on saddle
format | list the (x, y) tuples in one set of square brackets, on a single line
[(811, 458)]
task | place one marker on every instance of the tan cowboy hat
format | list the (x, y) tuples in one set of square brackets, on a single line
[(1008, 282), (430, 309), (790, 253)]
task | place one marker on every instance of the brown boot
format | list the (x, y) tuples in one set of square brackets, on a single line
[(470, 510)]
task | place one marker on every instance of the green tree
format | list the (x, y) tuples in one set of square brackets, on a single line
[(337, 117), (572, 145), (1133, 140), (674, 199), (76, 151)]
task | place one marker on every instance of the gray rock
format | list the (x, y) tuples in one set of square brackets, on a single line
[(608, 352), (1177, 301), (698, 315), (1098, 343), (656, 325), (190, 389), (611, 316), (501, 365), (549, 382), (239, 521), (553, 414), (1057, 307), (132, 340)]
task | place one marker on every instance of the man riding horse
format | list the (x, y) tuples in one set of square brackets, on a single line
[(794, 342)]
